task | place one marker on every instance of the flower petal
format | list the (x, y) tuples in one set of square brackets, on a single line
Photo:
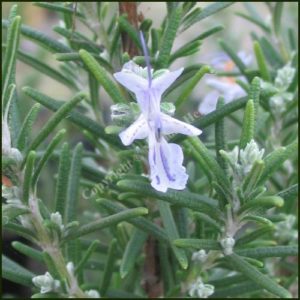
[(171, 125), (209, 103), (137, 130), (166, 166), (222, 87), (131, 81), (161, 83)]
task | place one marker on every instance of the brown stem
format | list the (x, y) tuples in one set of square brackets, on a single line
[(130, 9), (151, 280)]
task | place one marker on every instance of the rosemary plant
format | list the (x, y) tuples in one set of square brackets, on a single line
[(144, 206)]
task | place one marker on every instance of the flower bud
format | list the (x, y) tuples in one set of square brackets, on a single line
[(57, 219), (46, 283), (201, 256), (284, 77), (227, 244), (249, 155), (92, 294), (201, 290)]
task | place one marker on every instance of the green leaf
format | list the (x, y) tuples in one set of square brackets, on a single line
[(205, 218), (139, 222), (220, 137), (51, 266), (80, 266), (198, 244), (27, 127), (261, 62), (251, 180), (188, 49), (189, 88), (73, 184), (214, 116), (273, 57), (248, 125), (28, 251), (275, 159), (45, 69), (277, 17), (168, 38), (20, 230), (239, 289), (10, 212), (115, 41), (28, 176), (130, 30), (255, 21), (258, 219), (211, 163), (16, 273), (74, 56), (209, 32), (74, 116), (249, 237), (41, 39), (77, 40), (227, 281), (253, 274), (166, 267), (62, 180), (171, 229), (254, 94), (289, 194), (108, 221), (61, 113), (266, 201), (58, 8), (132, 251), (209, 10), (292, 39), (183, 198), (108, 270), (9, 63), (49, 151), (235, 58), (181, 215), (101, 75), (274, 251), (155, 34), (72, 199)]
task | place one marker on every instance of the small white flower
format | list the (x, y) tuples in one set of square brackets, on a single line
[(227, 244), (200, 255), (7, 149), (57, 219), (70, 267), (11, 193), (249, 155), (201, 290), (46, 283), (92, 294), (284, 77)]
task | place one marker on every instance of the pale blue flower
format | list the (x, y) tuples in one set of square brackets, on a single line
[(165, 159), (223, 86)]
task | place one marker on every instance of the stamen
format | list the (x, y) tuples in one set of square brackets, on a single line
[(147, 57)]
